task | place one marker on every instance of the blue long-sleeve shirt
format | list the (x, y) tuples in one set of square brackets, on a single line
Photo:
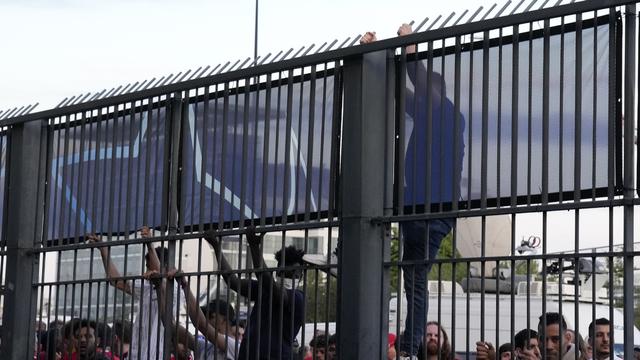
[(446, 166)]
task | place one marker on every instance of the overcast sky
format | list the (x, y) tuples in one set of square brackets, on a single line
[(57, 49)]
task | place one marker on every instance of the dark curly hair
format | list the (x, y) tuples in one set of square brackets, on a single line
[(291, 256)]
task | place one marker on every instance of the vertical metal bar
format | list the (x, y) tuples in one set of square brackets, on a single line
[(561, 115), (245, 150), (310, 145), (530, 115), (545, 111), (499, 118), (458, 156), (265, 151), (401, 86), (363, 179), (485, 124), (594, 115), (577, 169), (276, 150), (469, 156), (629, 77), (515, 76), (22, 264)]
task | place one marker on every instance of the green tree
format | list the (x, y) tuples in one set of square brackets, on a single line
[(445, 270), (321, 294), (445, 252)]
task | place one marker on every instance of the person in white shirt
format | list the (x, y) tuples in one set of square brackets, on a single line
[(212, 321), (148, 333)]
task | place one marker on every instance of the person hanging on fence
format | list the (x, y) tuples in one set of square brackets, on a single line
[(278, 307), (213, 321), (147, 330), (437, 122)]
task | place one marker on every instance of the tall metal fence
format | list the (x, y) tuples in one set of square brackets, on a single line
[(475, 175)]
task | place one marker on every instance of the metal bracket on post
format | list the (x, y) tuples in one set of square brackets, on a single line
[(25, 220), (363, 193)]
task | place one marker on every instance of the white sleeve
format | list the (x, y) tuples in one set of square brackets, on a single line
[(139, 287), (231, 348)]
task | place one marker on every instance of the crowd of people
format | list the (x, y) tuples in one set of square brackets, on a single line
[(555, 341), (276, 315)]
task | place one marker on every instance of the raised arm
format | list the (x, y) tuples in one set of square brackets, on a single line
[(183, 336), (278, 294), (109, 267), (240, 286), (153, 260), (198, 318)]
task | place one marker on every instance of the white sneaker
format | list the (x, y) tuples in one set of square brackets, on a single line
[(409, 357), (405, 356)]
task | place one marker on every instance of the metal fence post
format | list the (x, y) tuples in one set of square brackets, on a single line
[(175, 135), (24, 229), (629, 181), (362, 325)]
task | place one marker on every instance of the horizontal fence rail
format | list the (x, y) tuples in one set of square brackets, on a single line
[(438, 194)]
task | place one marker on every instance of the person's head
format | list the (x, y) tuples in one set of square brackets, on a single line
[(333, 347), (220, 315), (122, 336), (600, 335), (552, 332), (68, 331), (85, 335), (319, 345), (104, 336), (526, 339), (436, 341), (40, 326), (237, 330), (52, 343), (57, 324), (504, 351), (291, 256), (163, 256)]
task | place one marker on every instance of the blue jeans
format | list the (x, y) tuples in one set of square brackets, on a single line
[(415, 276)]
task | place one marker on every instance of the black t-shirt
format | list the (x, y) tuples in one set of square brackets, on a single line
[(272, 326)]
